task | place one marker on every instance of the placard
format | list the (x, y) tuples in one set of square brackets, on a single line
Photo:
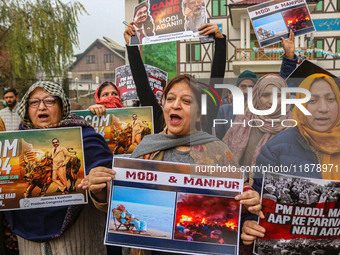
[(302, 215), (30, 160), (173, 207), (122, 128), (157, 21), (273, 19)]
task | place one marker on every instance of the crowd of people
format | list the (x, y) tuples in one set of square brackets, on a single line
[(181, 136)]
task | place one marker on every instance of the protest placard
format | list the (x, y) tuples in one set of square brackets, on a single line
[(273, 19), (124, 80), (157, 21), (28, 161), (174, 207), (122, 128), (302, 215)]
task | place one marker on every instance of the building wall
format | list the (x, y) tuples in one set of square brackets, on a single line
[(99, 68)]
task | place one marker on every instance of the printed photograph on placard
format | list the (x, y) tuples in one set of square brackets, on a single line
[(269, 27), (122, 128), (143, 212), (297, 19), (203, 218), (41, 168)]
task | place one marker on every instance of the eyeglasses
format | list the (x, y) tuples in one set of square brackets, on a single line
[(48, 102)]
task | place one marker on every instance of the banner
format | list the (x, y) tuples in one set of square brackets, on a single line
[(173, 207), (157, 21), (302, 215), (273, 19), (124, 80), (122, 128), (29, 160)]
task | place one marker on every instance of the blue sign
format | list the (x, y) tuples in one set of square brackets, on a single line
[(220, 27), (326, 24)]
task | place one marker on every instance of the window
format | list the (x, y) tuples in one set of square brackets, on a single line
[(319, 44), (319, 6), (338, 5), (90, 59), (195, 52), (219, 8), (86, 77), (337, 45), (108, 58), (109, 76)]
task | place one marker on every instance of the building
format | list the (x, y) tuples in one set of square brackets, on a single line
[(242, 46), (98, 62)]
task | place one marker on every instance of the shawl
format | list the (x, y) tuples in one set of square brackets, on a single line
[(237, 136), (110, 101), (328, 142), (161, 142)]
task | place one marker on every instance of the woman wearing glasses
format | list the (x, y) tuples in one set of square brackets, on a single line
[(64, 229)]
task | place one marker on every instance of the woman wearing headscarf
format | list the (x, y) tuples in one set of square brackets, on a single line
[(315, 140), (107, 96), (245, 141), (64, 229), (181, 141)]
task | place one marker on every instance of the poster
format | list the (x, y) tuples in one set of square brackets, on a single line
[(302, 216), (27, 160), (273, 19), (157, 21), (124, 80), (122, 128), (174, 207)]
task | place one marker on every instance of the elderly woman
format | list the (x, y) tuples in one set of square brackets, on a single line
[(180, 142), (245, 142), (107, 96), (315, 140), (65, 229)]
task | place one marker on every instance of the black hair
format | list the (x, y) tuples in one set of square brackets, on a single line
[(13, 90)]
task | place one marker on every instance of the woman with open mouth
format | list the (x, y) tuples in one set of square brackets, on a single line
[(314, 141), (63, 229)]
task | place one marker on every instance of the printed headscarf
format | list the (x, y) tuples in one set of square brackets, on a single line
[(110, 101), (54, 89), (327, 142)]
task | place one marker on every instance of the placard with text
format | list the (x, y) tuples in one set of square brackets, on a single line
[(274, 19), (122, 128), (302, 215), (173, 207), (29, 161)]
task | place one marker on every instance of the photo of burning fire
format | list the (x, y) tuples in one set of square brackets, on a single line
[(202, 218), (297, 19)]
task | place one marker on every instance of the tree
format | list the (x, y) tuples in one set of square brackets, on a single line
[(36, 36)]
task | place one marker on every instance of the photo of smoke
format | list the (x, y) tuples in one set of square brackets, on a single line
[(202, 218), (297, 19)]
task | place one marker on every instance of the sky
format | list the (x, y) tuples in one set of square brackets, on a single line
[(105, 19)]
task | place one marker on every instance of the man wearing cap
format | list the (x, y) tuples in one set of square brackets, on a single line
[(9, 114), (245, 80)]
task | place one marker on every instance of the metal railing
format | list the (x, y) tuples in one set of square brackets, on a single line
[(259, 54)]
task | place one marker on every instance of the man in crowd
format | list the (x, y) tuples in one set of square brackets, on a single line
[(9, 114), (194, 12), (143, 24), (60, 157)]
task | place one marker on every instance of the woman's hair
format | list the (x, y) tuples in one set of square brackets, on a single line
[(194, 89), (104, 85)]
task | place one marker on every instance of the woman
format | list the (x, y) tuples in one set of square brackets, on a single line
[(180, 142), (65, 229), (246, 141), (107, 96), (315, 140), (144, 91)]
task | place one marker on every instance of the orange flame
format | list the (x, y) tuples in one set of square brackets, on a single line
[(203, 221), (307, 18), (231, 225), (185, 218)]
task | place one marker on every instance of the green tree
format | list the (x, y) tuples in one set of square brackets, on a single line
[(36, 36)]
